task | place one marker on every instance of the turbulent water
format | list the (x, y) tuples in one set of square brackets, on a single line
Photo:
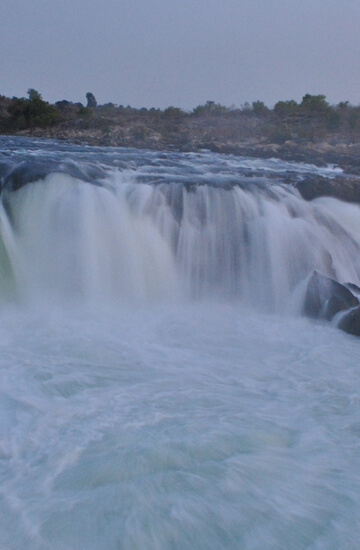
[(160, 388)]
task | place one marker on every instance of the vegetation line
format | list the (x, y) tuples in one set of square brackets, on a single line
[(312, 130)]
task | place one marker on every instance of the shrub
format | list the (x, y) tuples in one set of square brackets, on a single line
[(333, 120), (62, 104), (140, 132), (283, 108), (85, 112), (280, 135), (353, 119), (210, 108)]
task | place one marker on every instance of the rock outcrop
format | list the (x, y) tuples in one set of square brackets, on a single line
[(34, 170), (350, 321), (341, 187), (326, 297)]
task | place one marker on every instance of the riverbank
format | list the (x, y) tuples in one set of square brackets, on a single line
[(334, 151), (312, 131), (337, 150)]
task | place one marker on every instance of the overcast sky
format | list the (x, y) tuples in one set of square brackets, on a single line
[(181, 52)]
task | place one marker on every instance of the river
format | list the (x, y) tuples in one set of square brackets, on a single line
[(160, 388)]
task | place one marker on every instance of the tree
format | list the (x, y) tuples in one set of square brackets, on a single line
[(246, 107), (343, 106), (27, 113), (283, 108), (259, 107), (16, 110), (173, 112), (34, 94), (316, 104), (91, 101), (62, 104), (210, 108)]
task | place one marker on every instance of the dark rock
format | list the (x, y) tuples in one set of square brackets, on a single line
[(325, 297), (341, 187), (35, 170), (350, 321), (24, 173), (354, 288), (349, 169)]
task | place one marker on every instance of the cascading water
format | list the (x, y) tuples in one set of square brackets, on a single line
[(71, 240), (159, 388)]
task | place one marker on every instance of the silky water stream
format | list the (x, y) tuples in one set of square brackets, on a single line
[(160, 388)]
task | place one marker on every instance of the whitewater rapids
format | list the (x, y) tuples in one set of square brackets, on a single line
[(160, 388)]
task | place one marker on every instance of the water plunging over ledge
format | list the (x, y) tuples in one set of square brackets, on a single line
[(159, 387)]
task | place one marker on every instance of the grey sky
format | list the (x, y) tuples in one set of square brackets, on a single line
[(181, 52)]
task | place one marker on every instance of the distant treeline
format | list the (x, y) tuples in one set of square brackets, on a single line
[(310, 119)]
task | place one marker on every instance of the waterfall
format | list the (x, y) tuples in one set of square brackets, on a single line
[(158, 387), (66, 240)]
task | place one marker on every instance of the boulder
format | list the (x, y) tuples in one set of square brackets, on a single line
[(355, 289), (350, 321), (325, 297), (341, 187), (35, 170)]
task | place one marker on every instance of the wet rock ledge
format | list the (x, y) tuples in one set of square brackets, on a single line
[(346, 188), (330, 300)]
